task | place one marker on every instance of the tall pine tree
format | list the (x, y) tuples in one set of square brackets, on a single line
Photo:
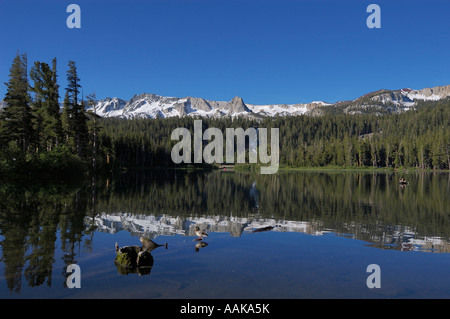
[(75, 114), (37, 104), (91, 101), (53, 125), (16, 116), (45, 106)]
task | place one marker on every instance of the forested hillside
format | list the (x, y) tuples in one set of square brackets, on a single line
[(415, 139)]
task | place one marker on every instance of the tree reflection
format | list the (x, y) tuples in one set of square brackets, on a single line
[(30, 219), (369, 206)]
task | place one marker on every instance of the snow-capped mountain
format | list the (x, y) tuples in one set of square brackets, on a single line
[(393, 101), (156, 106)]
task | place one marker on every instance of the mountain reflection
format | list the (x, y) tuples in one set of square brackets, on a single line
[(369, 207), (39, 220)]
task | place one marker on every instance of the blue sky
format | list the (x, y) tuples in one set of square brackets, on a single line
[(265, 51)]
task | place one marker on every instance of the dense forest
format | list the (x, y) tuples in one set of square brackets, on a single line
[(415, 139), (38, 136)]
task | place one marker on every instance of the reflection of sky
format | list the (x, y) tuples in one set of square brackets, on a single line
[(151, 226), (254, 265)]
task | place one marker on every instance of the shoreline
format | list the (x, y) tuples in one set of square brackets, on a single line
[(367, 169), (246, 167)]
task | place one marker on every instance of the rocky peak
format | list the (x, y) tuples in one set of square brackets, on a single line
[(199, 104), (237, 105), (438, 92)]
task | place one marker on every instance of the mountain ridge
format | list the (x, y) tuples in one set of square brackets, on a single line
[(150, 105)]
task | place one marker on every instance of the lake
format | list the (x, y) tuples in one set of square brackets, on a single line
[(292, 235)]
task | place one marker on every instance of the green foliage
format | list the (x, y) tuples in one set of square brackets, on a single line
[(45, 106), (16, 116), (74, 114), (61, 161), (33, 139), (12, 158), (415, 139)]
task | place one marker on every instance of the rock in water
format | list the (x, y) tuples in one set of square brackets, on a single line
[(133, 259)]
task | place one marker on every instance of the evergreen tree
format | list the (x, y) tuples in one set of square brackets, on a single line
[(45, 106), (91, 101), (75, 114), (66, 123), (37, 104), (16, 116), (54, 125)]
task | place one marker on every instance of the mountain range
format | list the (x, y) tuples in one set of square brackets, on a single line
[(155, 106)]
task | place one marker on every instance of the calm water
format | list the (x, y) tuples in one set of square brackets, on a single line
[(327, 228)]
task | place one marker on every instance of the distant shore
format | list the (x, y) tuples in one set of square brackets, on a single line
[(365, 169), (249, 167)]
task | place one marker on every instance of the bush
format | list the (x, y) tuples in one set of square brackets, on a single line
[(12, 159), (60, 161)]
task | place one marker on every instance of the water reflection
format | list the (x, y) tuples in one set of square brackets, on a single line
[(386, 237), (370, 207), (200, 244), (31, 217), (266, 228), (41, 225)]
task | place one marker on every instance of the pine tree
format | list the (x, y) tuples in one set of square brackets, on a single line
[(37, 105), (91, 100), (75, 114), (45, 106), (54, 124), (66, 123), (16, 116)]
